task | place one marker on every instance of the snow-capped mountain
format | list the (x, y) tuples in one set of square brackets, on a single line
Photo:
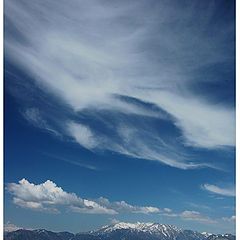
[(153, 228), (124, 230), (206, 234), (120, 231)]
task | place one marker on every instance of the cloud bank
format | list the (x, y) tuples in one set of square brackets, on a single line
[(48, 197)]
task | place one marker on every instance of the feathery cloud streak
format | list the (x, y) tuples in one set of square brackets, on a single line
[(89, 54), (229, 192)]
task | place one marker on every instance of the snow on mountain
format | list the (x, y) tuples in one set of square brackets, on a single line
[(121, 231), (161, 231), (206, 234), (152, 228)]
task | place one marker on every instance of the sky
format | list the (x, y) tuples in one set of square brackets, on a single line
[(119, 111)]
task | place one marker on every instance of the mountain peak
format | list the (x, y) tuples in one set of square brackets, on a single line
[(121, 230), (139, 227)]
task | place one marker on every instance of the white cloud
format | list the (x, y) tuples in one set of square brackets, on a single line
[(196, 216), (167, 210), (122, 206), (203, 124), (10, 227), (86, 55), (34, 116), (83, 135), (93, 208), (68, 159), (229, 219), (114, 221), (134, 143), (189, 215), (229, 192), (49, 197)]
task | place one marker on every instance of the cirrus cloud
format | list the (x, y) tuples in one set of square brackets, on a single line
[(229, 192), (91, 59)]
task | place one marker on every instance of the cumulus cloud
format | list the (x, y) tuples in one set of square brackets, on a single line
[(229, 192), (49, 197), (93, 56)]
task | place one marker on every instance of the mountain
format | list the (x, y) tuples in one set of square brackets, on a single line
[(40, 234), (120, 231)]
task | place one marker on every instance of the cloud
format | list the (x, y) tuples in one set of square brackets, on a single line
[(92, 57), (68, 159), (135, 209), (229, 192), (196, 216), (229, 219), (95, 208), (48, 197), (83, 135), (34, 116), (142, 145), (199, 206), (203, 127), (114, 221), (122, 206), (167, 210), (10, 227), (190, 215)]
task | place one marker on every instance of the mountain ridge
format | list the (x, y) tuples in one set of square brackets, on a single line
[(120, 231)]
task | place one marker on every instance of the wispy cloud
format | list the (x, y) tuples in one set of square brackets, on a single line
[(134, 143), (34, 116), (83, 135), (74, 162), (123, 206), (198, 206), (190, 215), (229, 191), (48, 197), (196, 216), (91, 56), (229, 219)]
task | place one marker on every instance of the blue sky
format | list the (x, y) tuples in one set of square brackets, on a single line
[(120, 111)]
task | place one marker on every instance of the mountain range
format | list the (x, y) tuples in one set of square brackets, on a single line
[(120, 231)]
